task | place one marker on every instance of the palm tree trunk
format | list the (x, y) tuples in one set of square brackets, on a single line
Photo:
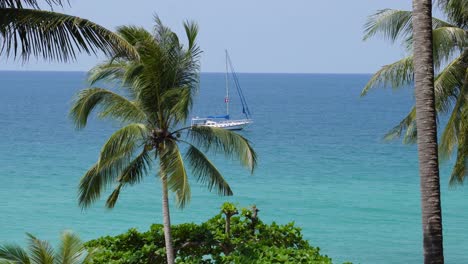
[(427, 132), (167, 222)]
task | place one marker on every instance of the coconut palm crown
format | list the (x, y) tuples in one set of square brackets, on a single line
[(70, 251), (450, 51), (156, 97), (27, 31)]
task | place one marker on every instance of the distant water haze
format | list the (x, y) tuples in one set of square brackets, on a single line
[(322, 164)]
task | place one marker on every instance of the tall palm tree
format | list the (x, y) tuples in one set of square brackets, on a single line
[(427, 132), (70, 251), (26, 30), (153, 105), (450, 42)]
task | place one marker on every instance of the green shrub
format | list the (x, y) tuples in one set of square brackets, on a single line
[(250, 241)]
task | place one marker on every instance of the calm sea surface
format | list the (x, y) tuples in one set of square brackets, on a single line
[(322, 164)]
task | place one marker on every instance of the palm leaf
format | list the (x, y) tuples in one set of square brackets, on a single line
[(133, 173), (448, 83), (40, 251), (30, 3), (134, 35), (460, 169), (110, 104), (406, 123), (115, 157), (122, 144), (114, 196), (454, 129), (172, 167), (13, 254), (177, 102), (395, 75), (137, 169), (456, 10), (448, 41), (394, 24), (206, 171), (228, 142), (55, 36), (90, 187), (71, 249)]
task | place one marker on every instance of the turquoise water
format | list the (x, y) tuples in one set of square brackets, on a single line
[(322, 164)]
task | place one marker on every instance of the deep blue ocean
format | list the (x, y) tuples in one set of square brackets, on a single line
[(322, 164)]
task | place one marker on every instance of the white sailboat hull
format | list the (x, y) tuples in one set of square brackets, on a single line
[(225, 124)]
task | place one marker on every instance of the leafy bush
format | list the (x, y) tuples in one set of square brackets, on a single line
[(249, 240)]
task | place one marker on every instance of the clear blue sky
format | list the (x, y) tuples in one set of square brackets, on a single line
[(307, 36)]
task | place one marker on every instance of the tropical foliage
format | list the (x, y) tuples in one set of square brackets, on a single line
[(27, 30), (450, 42), (70, 251), (209, 243), (156, 93)]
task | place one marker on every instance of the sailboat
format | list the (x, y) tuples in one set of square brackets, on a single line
[(224, 121)]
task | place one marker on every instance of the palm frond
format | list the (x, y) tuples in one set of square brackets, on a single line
[(456, 124), (13, 254), (29, 3), (206, 171), (406, 123), (109, 70), (134, 35), (177, 102), (173, 168), (71, 249), (395, 75), (448, 83), (90, 187), (448, 41), (40, 251), (114, 196), (394, 24), (122, 144), (55, 36), (228, 142), (131, 174), (191, 31), (110, 104), (137, 169), (460, 169), (456, 10)]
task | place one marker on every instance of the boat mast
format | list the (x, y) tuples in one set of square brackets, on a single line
[(226, 99)]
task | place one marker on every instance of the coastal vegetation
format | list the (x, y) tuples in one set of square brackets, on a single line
[(249, 240), (28, 30), (70, 251), (156, 93)]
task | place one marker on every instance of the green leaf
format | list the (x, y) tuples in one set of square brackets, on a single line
[(225, 141), (40, 251), (109, 104), (14, 254), (395, 75), (206, 171), (54, 36), (172, 167)]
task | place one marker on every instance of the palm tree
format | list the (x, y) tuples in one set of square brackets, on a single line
[(427, 132), (70, 251), (450, 40), (26, 30), (156, 97)]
